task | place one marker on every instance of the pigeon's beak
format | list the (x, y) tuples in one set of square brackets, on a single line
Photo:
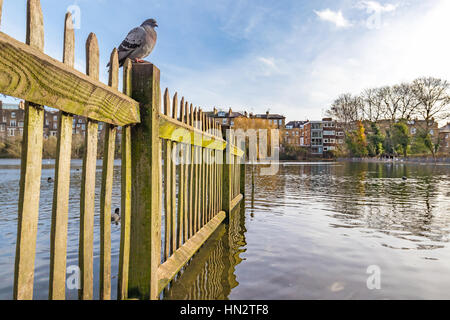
[(156, 25)]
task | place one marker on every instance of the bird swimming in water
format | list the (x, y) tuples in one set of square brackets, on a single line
[(139, 42), (50, 180), (115, 217)]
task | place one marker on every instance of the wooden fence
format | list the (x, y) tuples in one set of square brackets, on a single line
[(179, 177)]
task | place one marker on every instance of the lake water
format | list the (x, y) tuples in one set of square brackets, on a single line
[(309, 232)]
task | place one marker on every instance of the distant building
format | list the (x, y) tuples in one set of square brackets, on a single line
[(12, 122), (318, 136), (444, 138), (293, 134), (224, 118), (227, 119)]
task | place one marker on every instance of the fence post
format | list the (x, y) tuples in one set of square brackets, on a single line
[(227, 172), (242, 172), (145, 241)]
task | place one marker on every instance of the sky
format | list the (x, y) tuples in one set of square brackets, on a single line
[(292, 57)]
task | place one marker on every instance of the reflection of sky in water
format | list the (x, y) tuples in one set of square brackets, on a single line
[(309, 232)]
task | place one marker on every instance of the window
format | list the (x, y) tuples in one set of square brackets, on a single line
[(13, 115), (4, 119), (431, 132), (46, 122), (83, 127), (55, 118), (80, 120), (20, 124), (55, 125), (11, 132), (332, 140), (280, 122), (13, 123), (224, 121), (413, 130), (2, 127)]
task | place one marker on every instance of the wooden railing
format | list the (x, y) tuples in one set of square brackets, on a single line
[(178, 157)]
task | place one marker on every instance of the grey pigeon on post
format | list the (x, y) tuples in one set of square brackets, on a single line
[(139, 42)]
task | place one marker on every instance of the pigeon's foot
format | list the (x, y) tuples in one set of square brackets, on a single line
[(139, 60)]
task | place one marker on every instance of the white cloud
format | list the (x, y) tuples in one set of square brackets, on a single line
[(374, 6), (334, 17)]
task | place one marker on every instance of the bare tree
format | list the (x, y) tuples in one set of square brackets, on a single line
[(390, 102), (408, 101), (433, 97), (347, 109), (432, 93), (373, 107)]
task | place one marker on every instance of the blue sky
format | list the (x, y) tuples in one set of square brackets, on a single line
[(292, 56)]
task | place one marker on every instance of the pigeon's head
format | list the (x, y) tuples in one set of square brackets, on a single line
[(150, 22)]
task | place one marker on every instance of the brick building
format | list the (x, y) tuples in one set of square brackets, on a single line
[(444, 138), (319, 136), (227, 119), (12, 122)]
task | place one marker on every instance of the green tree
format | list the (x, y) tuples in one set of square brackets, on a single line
[(375, 141), (401, 137), (356, 141)]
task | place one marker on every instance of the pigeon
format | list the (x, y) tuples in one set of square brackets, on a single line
[(139, 42), (115, 217)]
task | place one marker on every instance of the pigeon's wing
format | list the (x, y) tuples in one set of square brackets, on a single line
[(134, 40)]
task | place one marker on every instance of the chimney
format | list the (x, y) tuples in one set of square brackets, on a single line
[(230, 112), (267, 113), (246, 114), (22, 105), (215, 112)]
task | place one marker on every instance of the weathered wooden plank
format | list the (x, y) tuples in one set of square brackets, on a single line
[(173, 233), (27, 73), (125, 223), (204, 174), (236, 201), (176, 131), (1, 5), (105, 211), (58, 235), (106, 189), (227, 175), (187, 151), (195, 178), (145, 245), (87, 199), (168, 270), (30, 173), (167, 184), (191, 179), (181, 183)]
